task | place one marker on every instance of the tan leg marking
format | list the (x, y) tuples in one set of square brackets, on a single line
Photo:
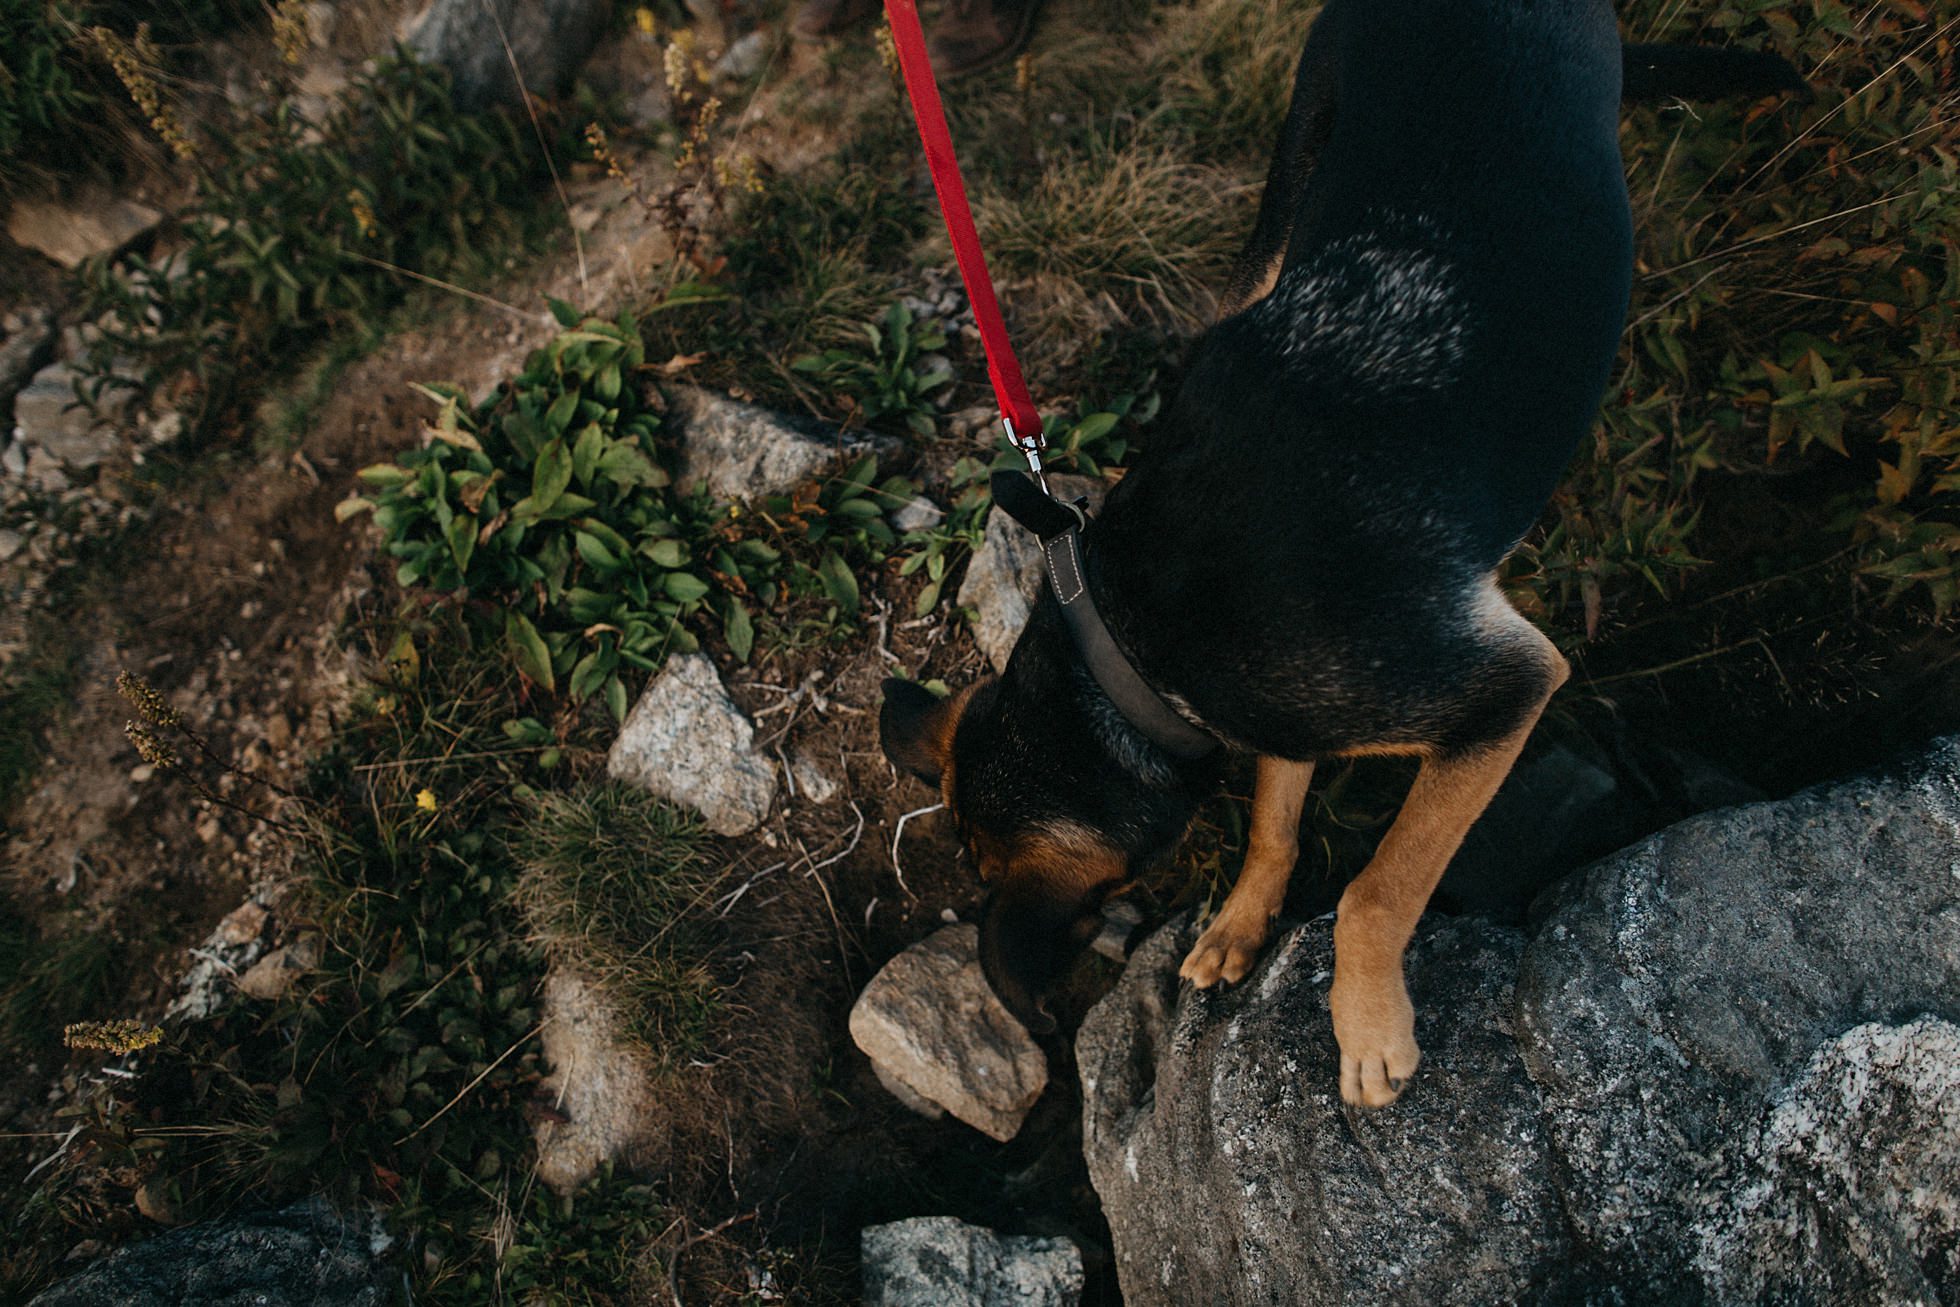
[(1374, 1022), (1231, 944), (1265, 287)]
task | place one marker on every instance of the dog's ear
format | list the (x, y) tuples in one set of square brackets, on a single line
[(1030, 931), (916, 727)]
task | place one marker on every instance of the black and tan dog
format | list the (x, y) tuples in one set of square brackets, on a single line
[(1302, 564)]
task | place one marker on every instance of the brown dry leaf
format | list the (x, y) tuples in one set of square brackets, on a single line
[(679, 363)]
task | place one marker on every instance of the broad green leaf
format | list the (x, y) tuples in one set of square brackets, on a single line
[(738, 629), (527, 647), (558, 417), (684, 587), (550, 475), (567, 315), (666, 553), (838, 583), (462, 541)]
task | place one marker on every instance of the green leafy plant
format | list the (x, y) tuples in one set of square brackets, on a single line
[(895, 377), (551, 501), (299, 228)]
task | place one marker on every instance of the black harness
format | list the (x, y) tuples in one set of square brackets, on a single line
[(1058, 526)]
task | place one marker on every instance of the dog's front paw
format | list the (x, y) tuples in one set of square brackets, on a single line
[(1227, 949), (1377, 1034)]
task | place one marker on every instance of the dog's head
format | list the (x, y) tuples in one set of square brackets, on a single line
[(1015, 796)]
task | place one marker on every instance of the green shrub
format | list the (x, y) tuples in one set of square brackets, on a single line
[(552, 501), (301, 228), (1796, 306), (895, 377)]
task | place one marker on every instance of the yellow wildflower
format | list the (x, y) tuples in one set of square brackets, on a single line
[(112, 1036), (425, 801)]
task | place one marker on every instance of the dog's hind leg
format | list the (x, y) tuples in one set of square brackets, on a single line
[(1374, 1022), (1309, 124), (1231, 943)]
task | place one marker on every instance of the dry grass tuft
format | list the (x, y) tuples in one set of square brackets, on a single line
[(1224, 69), (617, 883), (1117, 234)]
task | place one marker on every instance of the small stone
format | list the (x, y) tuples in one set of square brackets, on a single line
[(973, 421), (1004, 577), (10, 543), (27, 349), (744, 59), (740, 451), (918, 514), (49, 416), (687, 742), (600, 1086), (929, 1021), (812, 781), (44, 472), (1119, 927), (479, 41), (241, 925), (938, 1261), (96, 223), (272, 975), (13, 459), (278, 730)]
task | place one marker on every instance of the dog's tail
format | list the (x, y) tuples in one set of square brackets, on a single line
[(1697, 72)]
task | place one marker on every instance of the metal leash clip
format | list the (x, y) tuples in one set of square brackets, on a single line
[(1030, 447)]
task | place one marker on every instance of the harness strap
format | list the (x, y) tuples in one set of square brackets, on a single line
[(1059, 528), (1003, 369)]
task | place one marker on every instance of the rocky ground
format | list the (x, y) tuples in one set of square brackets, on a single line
[(1721, 1058)]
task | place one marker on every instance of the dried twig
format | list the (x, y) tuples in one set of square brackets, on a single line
[(898, 832)]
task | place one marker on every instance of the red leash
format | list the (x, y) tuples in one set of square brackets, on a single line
[(1016, 408)]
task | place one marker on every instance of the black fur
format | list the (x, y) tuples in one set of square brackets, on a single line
[(1301, 554)]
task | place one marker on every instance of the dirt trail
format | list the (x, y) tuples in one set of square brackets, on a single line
[(230, 600)]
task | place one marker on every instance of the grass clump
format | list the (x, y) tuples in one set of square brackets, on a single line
[(1116, 232), (618, 887)]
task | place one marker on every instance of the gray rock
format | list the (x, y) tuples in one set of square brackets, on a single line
[(28, 348), (1681, 992), (743, 59), (1735, 1078), (687, 742), (1851, 1176), (929, 1023), (1231, 1172), (937, 1261), (48, 416), (918, 514), (741, 451), (548, 40), (1003, 578), (307, 1255), (93, 222), (43, 471), (811, 780)]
